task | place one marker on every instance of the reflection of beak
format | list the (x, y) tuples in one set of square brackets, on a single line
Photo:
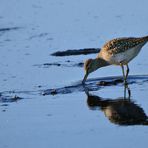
[(84, 79)]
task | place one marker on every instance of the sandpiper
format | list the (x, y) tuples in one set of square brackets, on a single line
[(119, 51)]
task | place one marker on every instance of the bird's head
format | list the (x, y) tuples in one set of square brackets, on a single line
[(91, 65)]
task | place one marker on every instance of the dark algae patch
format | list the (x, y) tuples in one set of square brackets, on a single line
[(71, 52)]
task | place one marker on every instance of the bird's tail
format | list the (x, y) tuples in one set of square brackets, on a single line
[(145, 38), (145, 123)]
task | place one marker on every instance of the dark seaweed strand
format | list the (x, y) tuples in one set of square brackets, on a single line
[(8, 29), (76, 52)]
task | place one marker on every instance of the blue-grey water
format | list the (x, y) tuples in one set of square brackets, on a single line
[(30, 31)]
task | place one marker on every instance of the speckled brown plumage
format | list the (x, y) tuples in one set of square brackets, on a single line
[(122, 44)]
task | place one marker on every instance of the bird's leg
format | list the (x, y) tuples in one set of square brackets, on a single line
[(127, 72), (86, 90), (123, 73)]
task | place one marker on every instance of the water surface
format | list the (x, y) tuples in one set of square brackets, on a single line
[(30, 115)]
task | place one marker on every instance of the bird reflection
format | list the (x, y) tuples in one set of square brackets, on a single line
[(121, 111)]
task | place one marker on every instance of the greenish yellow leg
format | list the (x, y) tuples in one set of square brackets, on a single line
[(124, 76), (127, 71)]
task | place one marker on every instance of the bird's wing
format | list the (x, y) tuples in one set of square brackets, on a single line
[(119, 45)]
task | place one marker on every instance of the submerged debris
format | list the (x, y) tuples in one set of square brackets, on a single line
[(39, 35), (16, 98), (81, 64), (8, 29), (52, 64), (108, 83), (8, 99), (76, 52), (50, 92), (53, 92)]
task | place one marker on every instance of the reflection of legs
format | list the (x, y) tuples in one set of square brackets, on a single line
[(128, 90), (86, 90)]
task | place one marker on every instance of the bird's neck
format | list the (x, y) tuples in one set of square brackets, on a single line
[(99, 62)]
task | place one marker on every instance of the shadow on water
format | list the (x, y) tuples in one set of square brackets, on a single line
[(92, 84), (96, 84), (121, 111)]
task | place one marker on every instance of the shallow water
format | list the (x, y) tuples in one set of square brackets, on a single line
[(32, 116)]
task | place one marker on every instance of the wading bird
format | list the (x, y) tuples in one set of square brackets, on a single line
[(119, 51)]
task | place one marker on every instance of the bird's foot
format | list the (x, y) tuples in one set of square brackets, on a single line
[(125, 83)]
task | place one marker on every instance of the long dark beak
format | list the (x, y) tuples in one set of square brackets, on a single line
[(84, 79)]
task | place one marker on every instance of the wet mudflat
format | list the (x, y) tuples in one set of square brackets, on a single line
[(42, 101)]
